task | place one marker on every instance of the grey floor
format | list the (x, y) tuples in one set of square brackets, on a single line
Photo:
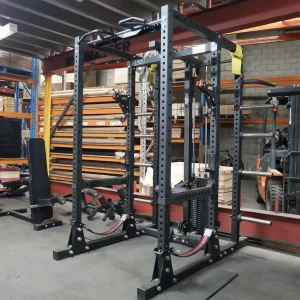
[(248, 187), (28, 272)]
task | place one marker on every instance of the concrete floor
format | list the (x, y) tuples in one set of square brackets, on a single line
[(28, 271), (248, 187)]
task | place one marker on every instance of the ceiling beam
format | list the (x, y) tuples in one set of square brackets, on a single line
[(50, 12), (155, 5), (30, 30), (14, 14), (89, 10), (227, 18), (202, 4), (125, 8), (248, 13), (19, 47), (35, 42)]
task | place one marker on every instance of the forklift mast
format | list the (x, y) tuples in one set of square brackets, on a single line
[(291, 185)]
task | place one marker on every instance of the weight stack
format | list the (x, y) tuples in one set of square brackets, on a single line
[(199, 208)]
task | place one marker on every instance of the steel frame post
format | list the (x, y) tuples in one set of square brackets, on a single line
[(155, 161), (34, 94), (77, 131), (188, 139), (17, 96), (47, 117), (163, 276), (236, 180), (130, 140), (213, 244)]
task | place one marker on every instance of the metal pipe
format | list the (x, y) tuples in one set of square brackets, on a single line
[(273, 153), (254, 220), (147, 114), (256, 106), (206, 130), (256, 135), (144, 136), (264, 129), (142, 165), (255, 173), (194, 133), (68, 105), (143, 201)]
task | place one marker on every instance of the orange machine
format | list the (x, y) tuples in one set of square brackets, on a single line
[(279, 155)]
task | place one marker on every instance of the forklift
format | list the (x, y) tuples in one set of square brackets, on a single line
[(279, 155)]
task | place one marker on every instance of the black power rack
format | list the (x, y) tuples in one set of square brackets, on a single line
[(186, 192)]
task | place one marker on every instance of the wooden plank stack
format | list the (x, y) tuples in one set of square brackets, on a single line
[(104, 135), (225, 183)]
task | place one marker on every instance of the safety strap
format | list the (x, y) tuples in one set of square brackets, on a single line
[(237, 57), (206, 236), (152, 69), (120, 223)]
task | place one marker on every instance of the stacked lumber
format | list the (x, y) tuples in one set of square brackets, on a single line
[(104, 135), (225, 183)]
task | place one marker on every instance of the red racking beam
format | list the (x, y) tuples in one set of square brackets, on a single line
[(224, 19)]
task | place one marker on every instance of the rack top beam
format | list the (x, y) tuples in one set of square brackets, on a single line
[(237, 15), (179, 20)]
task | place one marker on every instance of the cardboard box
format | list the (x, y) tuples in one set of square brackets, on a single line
[(1, 103)]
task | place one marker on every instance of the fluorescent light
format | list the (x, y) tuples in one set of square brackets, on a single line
[(8, 30)]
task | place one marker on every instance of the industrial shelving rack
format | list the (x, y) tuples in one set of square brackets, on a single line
[(24, 77)]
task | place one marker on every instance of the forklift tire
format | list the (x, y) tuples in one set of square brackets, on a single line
[(274, 190), (257, 196)]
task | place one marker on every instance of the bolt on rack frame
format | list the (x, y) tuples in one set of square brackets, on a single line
[(184, 192)]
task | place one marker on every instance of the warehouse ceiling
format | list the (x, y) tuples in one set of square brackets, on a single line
[(47, 26)]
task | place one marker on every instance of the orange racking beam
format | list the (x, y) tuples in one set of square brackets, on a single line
[(7, 114)]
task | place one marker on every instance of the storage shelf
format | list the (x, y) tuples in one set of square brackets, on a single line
[(98, 135), (181, 140), (100, 147), (228, 84), (12, 161), (88, 157), (7, 91), (103, 99), (16, 78), (91, 111), (6, 114), (97, 170), (93, 123)]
